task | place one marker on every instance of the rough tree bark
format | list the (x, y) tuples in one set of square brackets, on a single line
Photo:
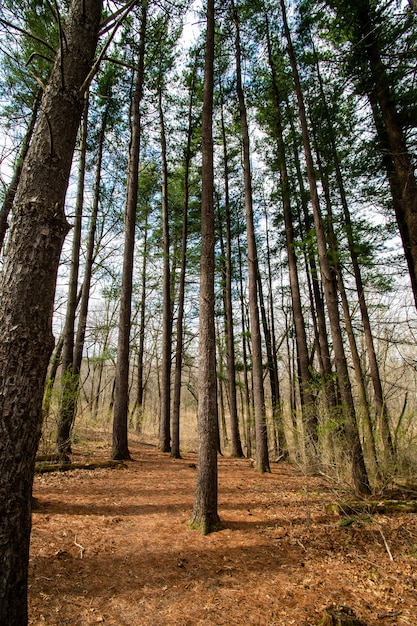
[(27, 290), (205, 516)]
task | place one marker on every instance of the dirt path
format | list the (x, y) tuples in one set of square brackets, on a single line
[(111, 547)]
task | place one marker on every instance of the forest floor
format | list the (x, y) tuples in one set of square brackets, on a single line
[(112, 547)]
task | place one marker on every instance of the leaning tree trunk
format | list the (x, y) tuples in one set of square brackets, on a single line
[(401, 158), (305, 379), (363, 403), (379, 399), (27, 290), (262, 456), (359, 473)]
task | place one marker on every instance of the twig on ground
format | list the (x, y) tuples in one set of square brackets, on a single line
[(391, 558), (82, 549)]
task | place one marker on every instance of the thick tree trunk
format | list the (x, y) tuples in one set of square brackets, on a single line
[(262, 457), (205, 516), (403, 164), (27, 294), (120, 448)]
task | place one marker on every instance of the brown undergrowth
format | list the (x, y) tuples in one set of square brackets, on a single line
[(111, 546)]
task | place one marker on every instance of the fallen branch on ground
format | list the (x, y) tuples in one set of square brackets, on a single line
[(368, 506), (42, 468)]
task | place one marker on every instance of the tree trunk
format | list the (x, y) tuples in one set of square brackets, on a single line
[(175, 443), (27, 293), (380, 403), (50, 379), (205, 516), (141, 347), (305, 379), (245, 357), (262, 457), (236, 449), (165, 416), (403, 164), (120, 448), (280, 443), (69, 384), (359, 474), (364, 409)]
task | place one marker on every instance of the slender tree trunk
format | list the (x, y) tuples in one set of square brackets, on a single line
[(175, 443), (120, 448), (359, 473), (141, 347), (262, 457), (236, 450), (329, 384), (70, 389), (205, 516), (51, 377), (69, 383), (364, 410), (305, 379), (380, 403), (245, 357), (11, 191), (165, 416), (29, 276), (281, 447)]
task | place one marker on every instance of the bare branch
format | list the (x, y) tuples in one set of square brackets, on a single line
[(107, 23), (95, 67), (27, 33)]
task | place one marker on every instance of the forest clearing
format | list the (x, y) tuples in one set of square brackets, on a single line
[(111, 546)]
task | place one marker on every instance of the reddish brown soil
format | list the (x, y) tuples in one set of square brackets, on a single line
[(111, 546)]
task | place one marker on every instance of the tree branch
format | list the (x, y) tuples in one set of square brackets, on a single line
[(27, 33)]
